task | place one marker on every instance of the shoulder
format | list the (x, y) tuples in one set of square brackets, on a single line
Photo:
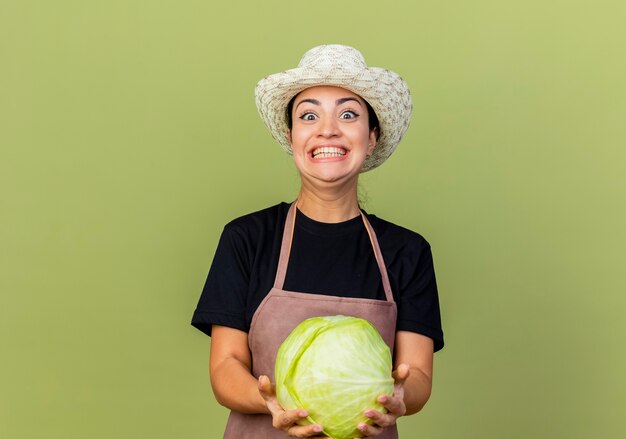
[(258, 222), (256, 228), (393, 236)]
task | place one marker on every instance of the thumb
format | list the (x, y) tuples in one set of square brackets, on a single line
[(265, 387), (401, 373)]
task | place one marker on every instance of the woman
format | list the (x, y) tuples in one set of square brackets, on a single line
[(321, 255)]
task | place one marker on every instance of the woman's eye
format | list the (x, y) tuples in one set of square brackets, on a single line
[(348, 115), (308, 116)]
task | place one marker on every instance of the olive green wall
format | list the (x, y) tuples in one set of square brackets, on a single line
[(129, 137)]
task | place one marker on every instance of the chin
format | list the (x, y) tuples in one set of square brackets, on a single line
[(329, 173), (332, 177)]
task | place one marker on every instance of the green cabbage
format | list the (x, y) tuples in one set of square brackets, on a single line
[(335, 368)]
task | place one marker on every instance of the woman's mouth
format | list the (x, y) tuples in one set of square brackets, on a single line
[(328, 151)]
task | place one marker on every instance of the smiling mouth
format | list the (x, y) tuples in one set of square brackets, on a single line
[(328, 151)]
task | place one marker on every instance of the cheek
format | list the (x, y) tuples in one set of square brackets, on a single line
[(362, 133), (298, 138)]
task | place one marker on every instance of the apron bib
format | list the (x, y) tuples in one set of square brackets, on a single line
[(281, 311)]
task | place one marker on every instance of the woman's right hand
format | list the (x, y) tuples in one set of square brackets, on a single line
[(286, 420)]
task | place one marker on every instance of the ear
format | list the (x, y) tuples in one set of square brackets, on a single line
[(372, 141), (289, 135)]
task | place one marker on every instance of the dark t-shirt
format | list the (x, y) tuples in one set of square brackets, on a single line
[(326, 258)]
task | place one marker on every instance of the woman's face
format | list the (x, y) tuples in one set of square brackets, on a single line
[(330, 134)]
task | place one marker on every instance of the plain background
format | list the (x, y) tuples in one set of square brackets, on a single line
[(129, 137)]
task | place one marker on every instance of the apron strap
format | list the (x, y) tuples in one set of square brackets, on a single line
[(285, 250), (379, 257)]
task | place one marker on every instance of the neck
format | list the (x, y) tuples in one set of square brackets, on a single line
[(328, 206)]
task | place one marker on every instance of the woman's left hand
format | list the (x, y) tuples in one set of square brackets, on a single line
[(394, 404)]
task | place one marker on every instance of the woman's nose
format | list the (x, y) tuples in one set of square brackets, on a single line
[(328, 127)]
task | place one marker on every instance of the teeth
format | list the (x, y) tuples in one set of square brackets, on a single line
[(329, 151)]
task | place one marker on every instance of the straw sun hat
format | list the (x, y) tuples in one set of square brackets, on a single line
[(344, 67)]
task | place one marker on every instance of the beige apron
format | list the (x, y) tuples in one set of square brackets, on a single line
[(281, 311)]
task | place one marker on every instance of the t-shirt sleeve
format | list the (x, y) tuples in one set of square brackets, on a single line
[(223, 298), (418, 307)]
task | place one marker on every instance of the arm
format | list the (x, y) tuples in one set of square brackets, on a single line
[(413, 376), (236, 388), (416, 351), (229, 365)]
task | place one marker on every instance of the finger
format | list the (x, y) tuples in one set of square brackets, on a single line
[(369, 430), (289, 417), (310, 431), (394, 405), (380, 419)]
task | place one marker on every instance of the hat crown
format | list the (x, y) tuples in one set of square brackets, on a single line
[(332, 56)]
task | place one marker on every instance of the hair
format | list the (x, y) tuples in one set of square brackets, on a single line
[(371, 116)]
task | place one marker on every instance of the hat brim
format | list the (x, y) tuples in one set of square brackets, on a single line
[(385, 91)]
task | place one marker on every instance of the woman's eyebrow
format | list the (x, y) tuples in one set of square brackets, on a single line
[(313, 101), (337, 102), (343, 100)]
